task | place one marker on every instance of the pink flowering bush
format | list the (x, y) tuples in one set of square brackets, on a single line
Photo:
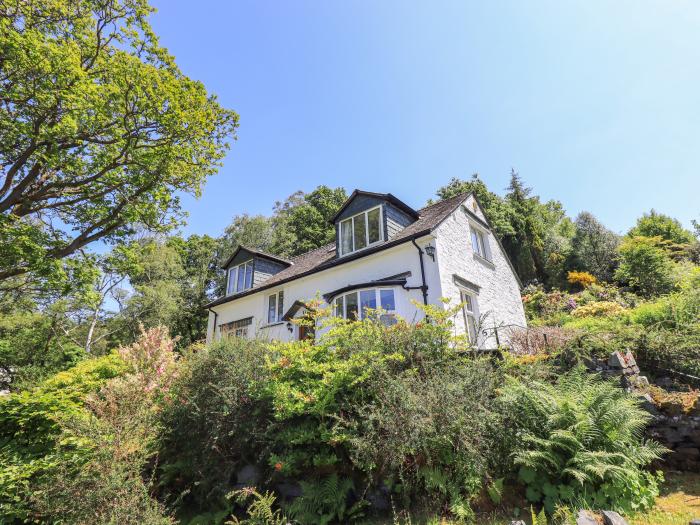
[(151, 361)]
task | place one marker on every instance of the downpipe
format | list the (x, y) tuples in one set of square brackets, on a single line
[(424, 287)]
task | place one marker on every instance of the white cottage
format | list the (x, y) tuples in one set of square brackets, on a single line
[(385, 255)]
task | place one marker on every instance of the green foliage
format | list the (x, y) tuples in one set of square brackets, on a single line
[(655, 224), (309, 224), (32, 346), (31, 441), (581, 438), (260, 511), (593, 248), (99, 131), (325, 501), (215, 422), (117, 433), (645, 266)]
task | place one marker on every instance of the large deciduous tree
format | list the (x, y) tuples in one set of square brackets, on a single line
[(99, 130)]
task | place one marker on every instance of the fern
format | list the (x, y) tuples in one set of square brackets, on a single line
[(260, 511), (584, 435), (325, 501)]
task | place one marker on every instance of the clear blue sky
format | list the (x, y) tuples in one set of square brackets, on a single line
[(595, 103)]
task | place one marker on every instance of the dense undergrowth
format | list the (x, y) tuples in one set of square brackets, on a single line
[(367, 419)]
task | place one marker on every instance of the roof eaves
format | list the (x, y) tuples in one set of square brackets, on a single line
[(323, 266), (257, 253), (386, 196)]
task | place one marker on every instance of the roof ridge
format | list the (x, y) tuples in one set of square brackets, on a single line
[(442, 201)]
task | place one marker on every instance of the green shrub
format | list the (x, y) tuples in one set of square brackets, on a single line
[(436, 434), (645, 266), (74, 449), (319, 411), (215, 422), (581, 439), (107, 483), (31, 445)]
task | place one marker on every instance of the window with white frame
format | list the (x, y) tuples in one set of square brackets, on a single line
[(355, 305), (361, 231), (470, 311), (275, 307), (240, 277), (236, 328), (479, 243)]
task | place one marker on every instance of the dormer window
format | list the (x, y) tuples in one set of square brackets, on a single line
[(361, 231), (240, 277)]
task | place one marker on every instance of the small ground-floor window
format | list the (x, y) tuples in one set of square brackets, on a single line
[(236, 328)]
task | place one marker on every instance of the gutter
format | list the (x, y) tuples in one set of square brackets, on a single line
[(323, 266), (424, 286)]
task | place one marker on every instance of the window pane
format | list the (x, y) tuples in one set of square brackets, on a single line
[(386, 297), (471, 327), (475, 242), (280, 306), (346, 236), (351, 306), (231, 280), (241, 278), (248, 275), (467, 300), (373, 218), (360, 231), (271, 308), (339, 306), (368, 299)]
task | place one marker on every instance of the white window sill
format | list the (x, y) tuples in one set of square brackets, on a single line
[(361, 249), (483, 260), (270, 325)]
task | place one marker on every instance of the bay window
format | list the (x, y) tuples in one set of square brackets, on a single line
[(354, 305), (361, 231), (240, 277)]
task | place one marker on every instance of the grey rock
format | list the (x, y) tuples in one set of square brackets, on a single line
[(379, 498), (586, 517), (248, 476), (648, 404), (289, 490), (696, 521), (613, 518), (688, 453), (519, 522)]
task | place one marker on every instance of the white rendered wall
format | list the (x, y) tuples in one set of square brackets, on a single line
[(499, 299), (389, 262)]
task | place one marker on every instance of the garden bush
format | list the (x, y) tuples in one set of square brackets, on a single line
[(367, 409), (215, 423), (580, 440), (76, 448), (598, 309), (31, 441), (646, 266)]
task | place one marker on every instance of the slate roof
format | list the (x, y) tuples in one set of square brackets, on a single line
[(384, 196), (325, 257), (258, 253)]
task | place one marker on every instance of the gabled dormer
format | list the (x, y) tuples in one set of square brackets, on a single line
[(368, 219), (247, 268)]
